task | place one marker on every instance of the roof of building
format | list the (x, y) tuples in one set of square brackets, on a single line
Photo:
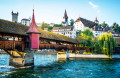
[(106, 29), (25, 19), (86, 22), (66, 27), (19, 29), (33, 26), (96, 20), (97, 28), (65, 14)]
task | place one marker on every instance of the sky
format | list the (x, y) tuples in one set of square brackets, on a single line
[(52, 11)]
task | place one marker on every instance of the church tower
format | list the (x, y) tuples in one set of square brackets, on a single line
[(14, 17), (65, 19), (96, 20)]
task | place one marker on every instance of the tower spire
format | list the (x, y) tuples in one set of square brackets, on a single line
[(65, 14), (96, 20), (33, 27)]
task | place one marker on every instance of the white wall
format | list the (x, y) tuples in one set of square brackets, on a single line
[(79, 26)]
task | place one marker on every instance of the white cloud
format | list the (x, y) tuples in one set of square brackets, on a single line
[(93, 5)]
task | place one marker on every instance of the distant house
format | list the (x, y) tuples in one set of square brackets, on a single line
[(82, 24), (51, 24), (25, 21), (46, 29), (39, 24), (67, 31), (97, 30)]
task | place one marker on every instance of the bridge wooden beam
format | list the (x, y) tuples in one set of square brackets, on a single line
[(8, 52)]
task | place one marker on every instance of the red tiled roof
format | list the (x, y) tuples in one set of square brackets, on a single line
[(33, 26)]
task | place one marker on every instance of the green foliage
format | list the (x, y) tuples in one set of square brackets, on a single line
[(71, 22), (87, 33), (106, 43), (115, 27), (87, 39), (96, 24), (104, 24), (78, 33), (45, 25), (58, 25)]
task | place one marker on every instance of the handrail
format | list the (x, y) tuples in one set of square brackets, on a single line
[(56, 46), (11, 45)]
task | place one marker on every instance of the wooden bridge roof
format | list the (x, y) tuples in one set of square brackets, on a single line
[(19, 29)]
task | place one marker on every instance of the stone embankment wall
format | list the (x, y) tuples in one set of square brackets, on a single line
[(73, 55)]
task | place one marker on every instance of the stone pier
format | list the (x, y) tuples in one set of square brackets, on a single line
[(26, 60)]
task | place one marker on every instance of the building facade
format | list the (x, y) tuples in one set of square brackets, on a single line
[(25, 22), (97, 30), (81, 24), (14, 17), (67, 31)]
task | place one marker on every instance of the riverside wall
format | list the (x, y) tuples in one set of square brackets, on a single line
[(73, 55)]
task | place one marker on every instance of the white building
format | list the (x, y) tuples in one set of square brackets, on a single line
[(82, 24), (97, 30), (67, 31), (25, 22)]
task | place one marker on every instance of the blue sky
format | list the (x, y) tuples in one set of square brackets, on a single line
[(52, 11)]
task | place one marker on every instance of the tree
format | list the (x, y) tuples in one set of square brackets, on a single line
[(115, 27), (87, 39), (104, 24), (107, 43), (78, 33), (87, 33), (58, 25), (71, 22), (45, 25)]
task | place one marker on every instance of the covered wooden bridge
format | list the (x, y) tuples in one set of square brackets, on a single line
[(14, 36)]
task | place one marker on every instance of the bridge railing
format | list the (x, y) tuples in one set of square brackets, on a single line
[(56, 46), (12, 45)]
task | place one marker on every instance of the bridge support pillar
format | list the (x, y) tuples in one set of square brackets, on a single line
[(62, 54), (29, 58), (26, 60), (67, 54)]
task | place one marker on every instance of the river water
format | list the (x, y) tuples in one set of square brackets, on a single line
[(47, 66)]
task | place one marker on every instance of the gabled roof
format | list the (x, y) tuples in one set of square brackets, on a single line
[(65, 15), (86, 22)]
